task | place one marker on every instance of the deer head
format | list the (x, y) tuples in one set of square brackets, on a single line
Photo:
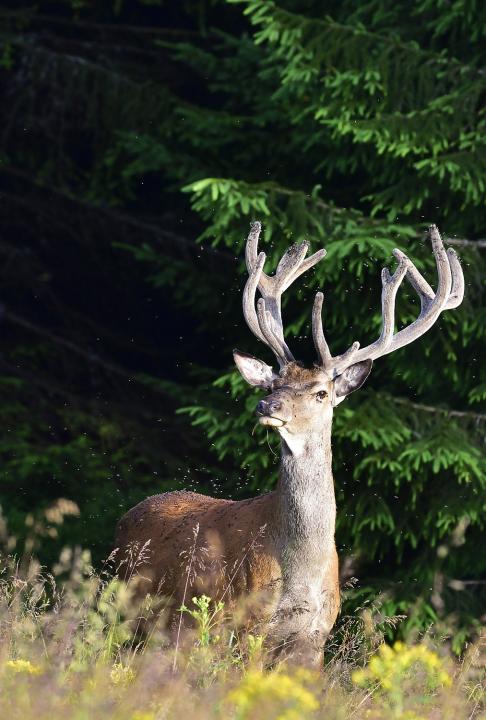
[(301, 400)]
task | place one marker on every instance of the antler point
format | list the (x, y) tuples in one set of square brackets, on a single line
[(433, 232), (305, 244)]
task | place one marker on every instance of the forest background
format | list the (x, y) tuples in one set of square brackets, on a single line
[(138, 140)]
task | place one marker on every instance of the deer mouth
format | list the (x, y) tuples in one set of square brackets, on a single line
[(271, 421)]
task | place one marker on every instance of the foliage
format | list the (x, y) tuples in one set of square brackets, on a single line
[(351, 124), (395, 668), (275, 695), (90, 456), (68, 647), (374, 103), (205, 617)]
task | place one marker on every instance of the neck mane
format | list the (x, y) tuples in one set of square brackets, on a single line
[(306, 508)]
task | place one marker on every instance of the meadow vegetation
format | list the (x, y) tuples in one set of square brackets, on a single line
[(140, 140), (69, 647)]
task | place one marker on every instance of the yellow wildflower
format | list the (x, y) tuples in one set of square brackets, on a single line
[(121, 674), (390, 666), (277, 695), (23, 666)]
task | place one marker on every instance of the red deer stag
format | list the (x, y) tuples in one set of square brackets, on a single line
[(281, 544)]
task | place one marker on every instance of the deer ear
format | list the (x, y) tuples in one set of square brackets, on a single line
[(351, 379), (254, 371)]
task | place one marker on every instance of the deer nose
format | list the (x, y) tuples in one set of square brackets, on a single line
[(268, 407)]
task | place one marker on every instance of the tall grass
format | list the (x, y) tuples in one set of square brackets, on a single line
[(69, 648)]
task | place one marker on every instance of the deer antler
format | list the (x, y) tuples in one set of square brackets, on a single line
[(450, 292), (265, 321)]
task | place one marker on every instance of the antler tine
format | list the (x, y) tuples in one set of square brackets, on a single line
[(450, 292), (419, 283), (278, 345), (390, 285), (288, 267), (266, 322), (300, 265), (423, 288), (249, 297), (322, 348), (251, 247), (310, 262), (457, 292), (431, 304), (260, 322)]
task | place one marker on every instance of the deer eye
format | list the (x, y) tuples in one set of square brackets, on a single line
[(321, 395)]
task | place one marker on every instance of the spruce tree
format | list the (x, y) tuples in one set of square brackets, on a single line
[(353, 125)]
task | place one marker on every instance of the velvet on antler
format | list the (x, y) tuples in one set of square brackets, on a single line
[(265, 319)]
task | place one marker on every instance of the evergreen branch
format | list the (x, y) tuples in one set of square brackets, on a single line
[(281, 190), (478, 417), (23, 16), (314, 201), (418, 131), (158, 232), (148, 381), (99, 47), (67, 344), (389, 40), (78, 60), (35, 379)]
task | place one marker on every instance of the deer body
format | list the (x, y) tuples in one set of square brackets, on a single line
[(279, 547)]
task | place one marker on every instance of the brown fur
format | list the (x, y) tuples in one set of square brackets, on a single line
[(275, 552), (229, 535), (234, 556), (234, 550)]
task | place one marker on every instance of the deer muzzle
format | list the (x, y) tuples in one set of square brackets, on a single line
[(271, 412)]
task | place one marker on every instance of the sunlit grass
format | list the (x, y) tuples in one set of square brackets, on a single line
[(69, 648)]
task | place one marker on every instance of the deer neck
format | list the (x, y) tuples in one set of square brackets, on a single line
[(306, 506)]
